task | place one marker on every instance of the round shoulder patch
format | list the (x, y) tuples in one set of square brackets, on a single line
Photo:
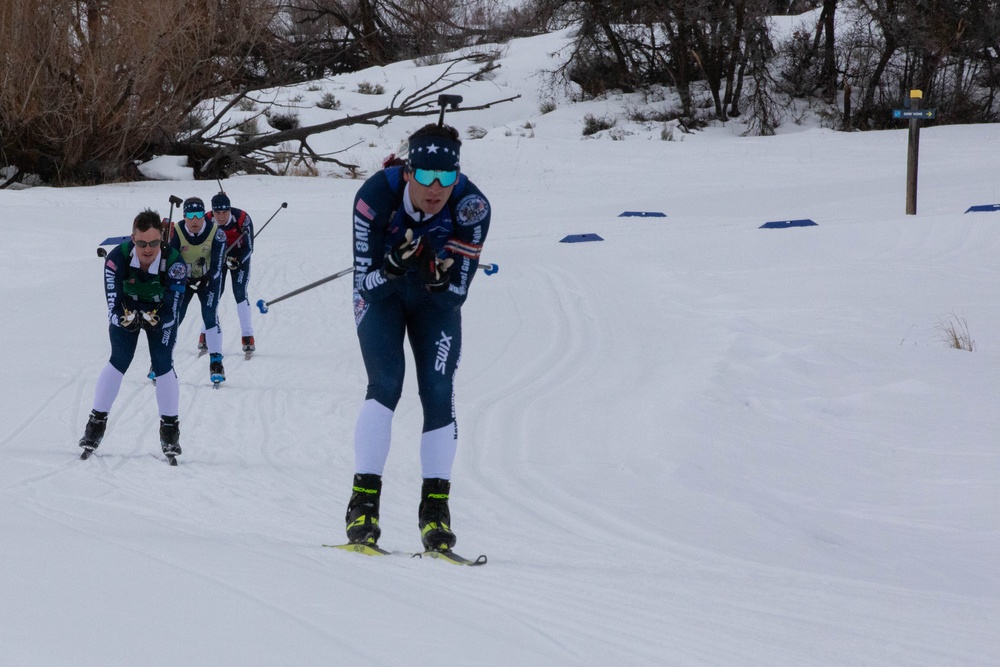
[(471, 210), (177, 271), (219, 234)]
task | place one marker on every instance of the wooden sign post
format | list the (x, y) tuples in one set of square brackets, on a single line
[(915, 114)]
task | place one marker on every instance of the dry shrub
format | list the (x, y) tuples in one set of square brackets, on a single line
[(955, 333), (88, 86)]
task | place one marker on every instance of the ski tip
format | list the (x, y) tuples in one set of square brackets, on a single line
[(451, 557)]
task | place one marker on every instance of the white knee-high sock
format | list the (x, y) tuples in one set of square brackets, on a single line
[(372, 437), (437, 451), (213, 339), (244, 312), (167, 393), (108, 384)]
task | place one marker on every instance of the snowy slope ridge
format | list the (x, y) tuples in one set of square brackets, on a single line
[(694, 443)]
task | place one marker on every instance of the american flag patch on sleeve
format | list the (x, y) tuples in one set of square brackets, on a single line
[(470, 250), (364, 209)]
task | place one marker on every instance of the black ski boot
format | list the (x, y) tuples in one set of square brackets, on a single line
[(93, 432), (217, 373), (170, 435), (362, 510), (435, 519)]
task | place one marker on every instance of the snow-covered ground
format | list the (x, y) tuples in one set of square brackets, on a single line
[(696, 442)]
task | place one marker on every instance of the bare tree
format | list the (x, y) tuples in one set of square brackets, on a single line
[(91, 85), (365, 33), (947, 49), (764, 113), (826, 26)]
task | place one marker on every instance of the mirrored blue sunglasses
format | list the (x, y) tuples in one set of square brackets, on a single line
[(194, 214), (426, 177)]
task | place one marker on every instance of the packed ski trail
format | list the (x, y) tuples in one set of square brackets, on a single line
[(694, 443)]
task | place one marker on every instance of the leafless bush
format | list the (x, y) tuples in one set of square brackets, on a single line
[(593, 124), (662, 115), (283, 121), (247, 130), (90, 86), (369, 88), (328, 101)]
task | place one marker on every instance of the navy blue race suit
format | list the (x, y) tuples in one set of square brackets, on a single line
[(239, 244), (388, 309), (203, 254), (158, 292)]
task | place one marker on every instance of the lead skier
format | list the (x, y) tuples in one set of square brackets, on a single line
[(419, 229)]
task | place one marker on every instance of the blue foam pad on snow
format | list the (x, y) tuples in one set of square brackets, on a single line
[(784, 224), (642, 214), (580, 238), (984, 207)]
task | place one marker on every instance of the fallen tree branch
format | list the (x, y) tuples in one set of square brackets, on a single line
[(217, 156)]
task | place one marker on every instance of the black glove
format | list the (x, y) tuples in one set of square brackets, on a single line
[(129, 320), (403, 257), (232, 263), (202, 269), (435, 272), (149, 318)]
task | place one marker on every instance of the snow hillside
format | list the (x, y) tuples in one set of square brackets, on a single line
[(694, 443)]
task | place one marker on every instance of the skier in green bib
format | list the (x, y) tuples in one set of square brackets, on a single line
[(144, 282)]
